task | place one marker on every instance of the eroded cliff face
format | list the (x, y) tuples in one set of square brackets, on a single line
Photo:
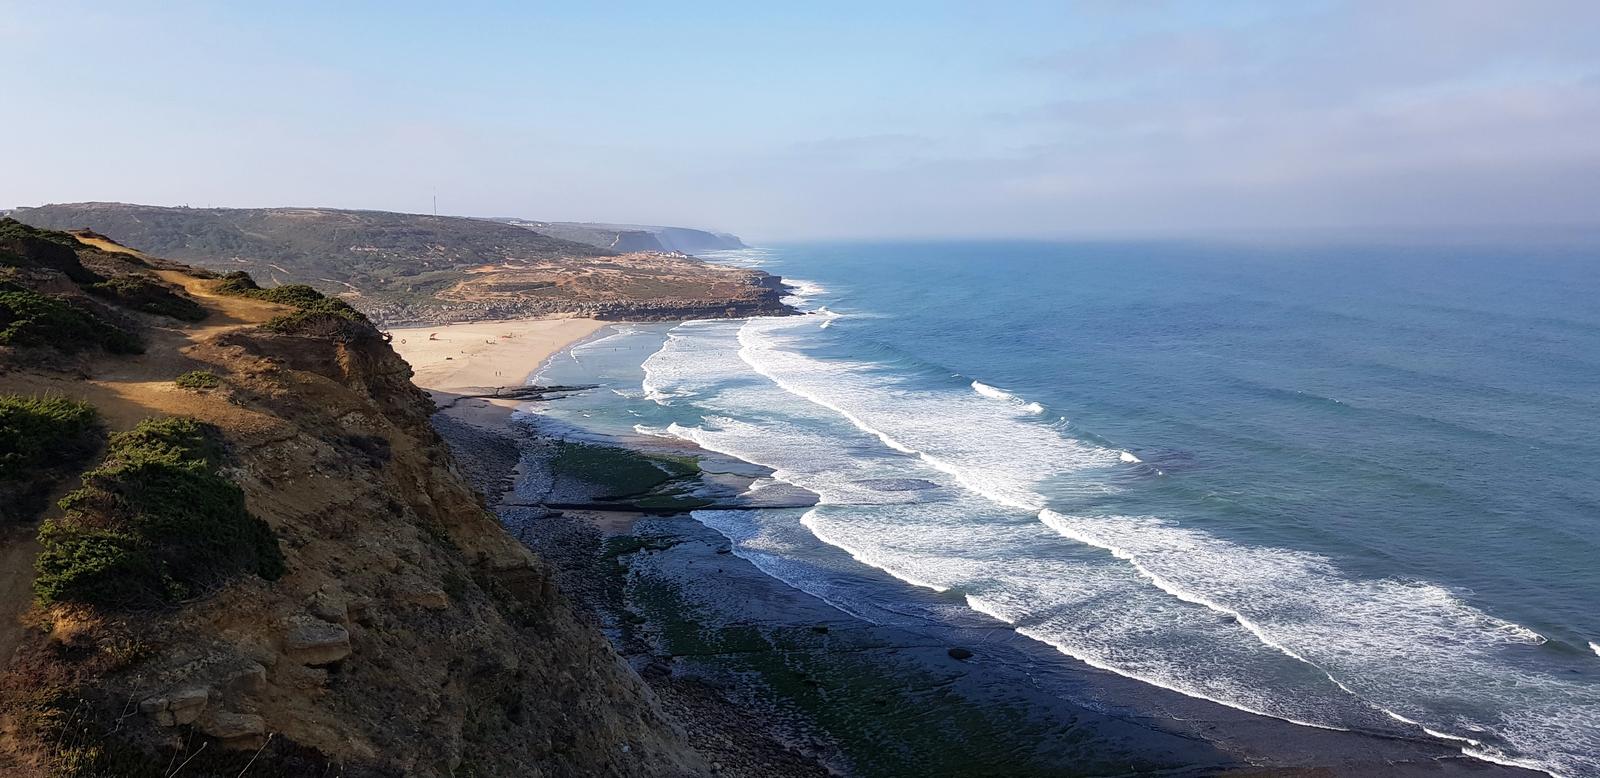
[(410, 634)]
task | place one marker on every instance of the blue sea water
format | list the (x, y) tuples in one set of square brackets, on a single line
[(1347, 486)]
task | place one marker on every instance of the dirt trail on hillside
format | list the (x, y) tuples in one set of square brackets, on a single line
[(125, 390), (16, 585)]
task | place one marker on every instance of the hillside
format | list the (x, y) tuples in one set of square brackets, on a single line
[(400, 268), (634, 237), (252, 552)]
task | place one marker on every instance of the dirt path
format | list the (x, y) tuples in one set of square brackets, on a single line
[(125, 390), (16, 586)]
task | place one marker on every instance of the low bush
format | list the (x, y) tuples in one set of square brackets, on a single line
[(290, 294), (198, 380), (11, 229), (148, 295), (28, 318), (240, 284), (315, 314), (327, 317), (22, 246), (41, 440), (156, 523)]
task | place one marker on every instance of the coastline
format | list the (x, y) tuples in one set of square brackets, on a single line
[(722, 643)]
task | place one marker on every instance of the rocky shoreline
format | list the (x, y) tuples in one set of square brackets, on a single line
[(766, 680), (394, 314)]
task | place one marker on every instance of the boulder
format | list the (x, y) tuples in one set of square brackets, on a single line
[(183, 706), (317, 643), (329, 608), (251, 679), (227, 725)]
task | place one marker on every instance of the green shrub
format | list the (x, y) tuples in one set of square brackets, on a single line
[(328, 317), (290, 294), (41, 438), (28, 318), (172, 439), (315, 314), (238, 283), (148, 295), (22, 246), (197, 380), (42, 432), (11, 229), (155, 523)]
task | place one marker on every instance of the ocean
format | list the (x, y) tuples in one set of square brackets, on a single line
[(1354, 487)]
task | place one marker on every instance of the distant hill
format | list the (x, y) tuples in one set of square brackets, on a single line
[(634, 237), (399, 267), (365, 249)]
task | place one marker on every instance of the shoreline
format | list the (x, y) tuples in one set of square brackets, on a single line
[(723, 643)]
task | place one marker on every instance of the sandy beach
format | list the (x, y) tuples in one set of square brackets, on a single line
[(485, 354), (453, 361)]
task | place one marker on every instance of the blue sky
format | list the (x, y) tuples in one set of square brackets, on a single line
[(821, 119)]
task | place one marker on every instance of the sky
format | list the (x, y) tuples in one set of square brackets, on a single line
[(821, 119)]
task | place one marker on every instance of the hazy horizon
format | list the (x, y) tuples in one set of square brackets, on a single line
[(898, 121)]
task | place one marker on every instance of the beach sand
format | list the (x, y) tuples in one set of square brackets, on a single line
[(487, 354), (454, 361)]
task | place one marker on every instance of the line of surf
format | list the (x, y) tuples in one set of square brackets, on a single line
[(749, 352)]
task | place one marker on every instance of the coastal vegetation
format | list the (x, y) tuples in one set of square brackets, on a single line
[(42, 439), (314, 314), (32, 319), (155, 523), (13, 230), (373, 250), (198, 380), (145, 294), (60, 293)]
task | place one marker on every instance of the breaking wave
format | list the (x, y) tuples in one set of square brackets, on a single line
[(1274, 631)]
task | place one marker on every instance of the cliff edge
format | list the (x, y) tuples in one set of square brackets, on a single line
[(261, 557)]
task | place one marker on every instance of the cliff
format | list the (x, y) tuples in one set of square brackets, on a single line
[(367, 615)]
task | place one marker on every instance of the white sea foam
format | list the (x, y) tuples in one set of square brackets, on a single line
[(1274, 631), (746, 257), (1006, 397), (1410, 647), (978, 443), (1129, 458), (685, 365), (1594, 647), (802, 291)]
